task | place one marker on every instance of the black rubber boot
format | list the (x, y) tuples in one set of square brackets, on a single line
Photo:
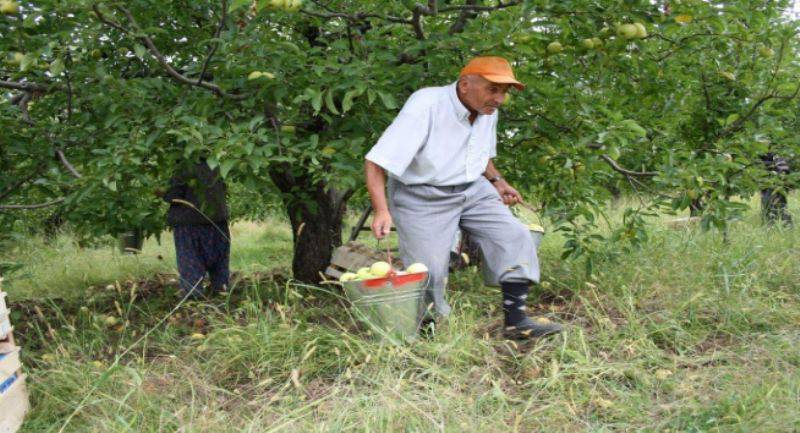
[(517, 323), (532, 328)]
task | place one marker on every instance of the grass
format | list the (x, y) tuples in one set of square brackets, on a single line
[(689, 333)]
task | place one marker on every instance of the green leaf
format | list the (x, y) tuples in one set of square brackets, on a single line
[(238, 4), (329, 102), (226, 166), (57, 67), (347, 102), (316, 100), (27, 61), (634, 127), (140, 51), (388, 100)]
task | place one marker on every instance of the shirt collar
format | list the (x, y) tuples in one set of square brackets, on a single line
[(462, 113)]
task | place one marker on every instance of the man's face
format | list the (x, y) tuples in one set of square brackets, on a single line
[(481, 95)]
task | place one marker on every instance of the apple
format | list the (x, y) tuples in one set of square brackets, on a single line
[(16, 58), (380, 269), (254, 75), (535, 228), (587, 43), (554, 47), (415, 268), (9, 7), (627, 31), (364, 274), (348, 276), (728, 75), (766, 52), (597, 42), (289, 129), (110, 320), (641, 31), (197, 336)]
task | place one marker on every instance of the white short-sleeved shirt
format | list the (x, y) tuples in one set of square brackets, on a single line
[(432, 142)]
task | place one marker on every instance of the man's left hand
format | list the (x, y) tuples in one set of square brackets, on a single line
[(509, 195)]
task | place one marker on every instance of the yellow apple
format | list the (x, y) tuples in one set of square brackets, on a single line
[(627, 31), (535, 228), (16, 58), (348, 276), (597, 42), (766, 52), (415, 268), (554, 47), (683, 19), (254, 75), (364, 274), (9, 7), (380, 269), (294, 5), (641, 31), (587, 43)]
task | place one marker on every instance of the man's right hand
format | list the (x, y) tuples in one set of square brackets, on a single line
[(381, 224)]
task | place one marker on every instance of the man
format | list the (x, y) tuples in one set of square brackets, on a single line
[(198, 215), (438, 152), (774, 203)]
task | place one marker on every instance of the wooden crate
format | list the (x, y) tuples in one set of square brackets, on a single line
[(13, 399), (9, 363), (353, 255), (5, 324), (13, 406), (7, 344)]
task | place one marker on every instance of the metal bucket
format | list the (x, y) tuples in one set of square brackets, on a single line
[(537, 235), (390, 306)]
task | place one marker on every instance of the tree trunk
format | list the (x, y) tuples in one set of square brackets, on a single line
[(315, 211), (697, 206)]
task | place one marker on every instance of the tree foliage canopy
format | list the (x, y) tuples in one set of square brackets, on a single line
[(104, 99)]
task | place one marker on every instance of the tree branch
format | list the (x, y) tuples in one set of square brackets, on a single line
[(213, 49), (148, 42), (615, 165), (416, 23), (479, 8), (463, 17), (25, 87), (737, 125), (22, 103), (31, 206), (66, 163)]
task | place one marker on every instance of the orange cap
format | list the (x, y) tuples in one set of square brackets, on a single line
[(494, 69)]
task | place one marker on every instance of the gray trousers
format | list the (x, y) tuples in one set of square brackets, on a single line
[(427, 218)]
